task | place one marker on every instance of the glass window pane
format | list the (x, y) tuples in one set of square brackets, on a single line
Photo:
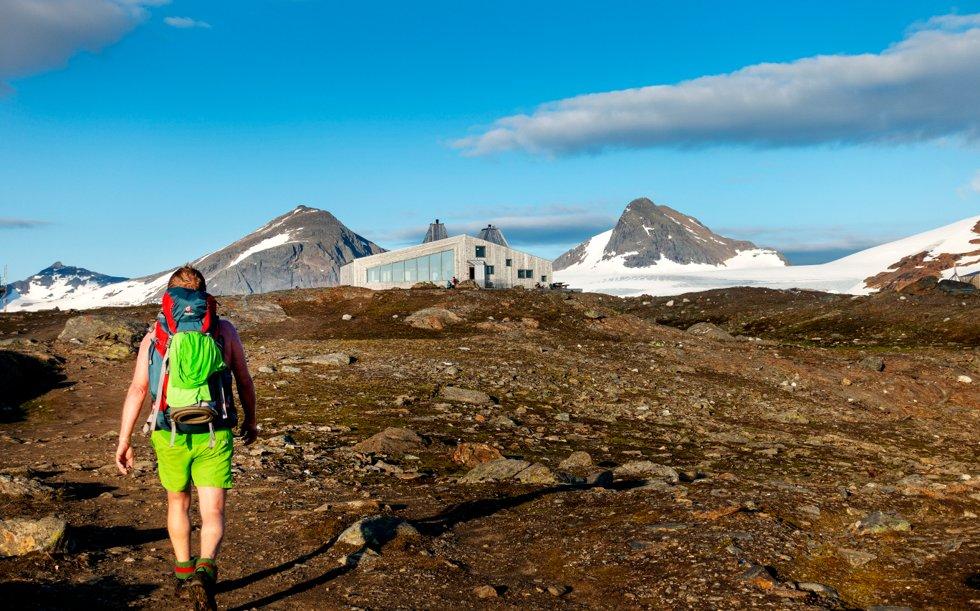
[(373, 275), (448, 265), (411, 270), (398, 271), (386, 273), (435, 267), (423, 263)]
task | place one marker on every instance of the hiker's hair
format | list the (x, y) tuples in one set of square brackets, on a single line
[(187, 277)]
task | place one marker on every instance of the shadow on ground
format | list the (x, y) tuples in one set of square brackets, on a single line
[(103, 593)]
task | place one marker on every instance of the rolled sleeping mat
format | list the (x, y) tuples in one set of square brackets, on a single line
[(192, 414)]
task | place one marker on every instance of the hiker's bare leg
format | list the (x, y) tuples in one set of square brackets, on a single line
[(212, 502), (179, 523)]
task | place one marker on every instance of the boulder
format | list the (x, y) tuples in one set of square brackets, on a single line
[(495, 471), (21, 536), (104, 335), (392, 441), (468, 285), (709, 330), (465, 395), (425, 285), (473, 454), (376, 531), (435, 319), (644, 469)]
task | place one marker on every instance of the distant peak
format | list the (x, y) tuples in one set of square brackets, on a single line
[(57, 265)]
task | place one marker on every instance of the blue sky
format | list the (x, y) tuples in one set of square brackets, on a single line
[(129, 144)]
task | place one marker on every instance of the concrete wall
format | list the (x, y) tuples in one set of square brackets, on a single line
[(464, 256)]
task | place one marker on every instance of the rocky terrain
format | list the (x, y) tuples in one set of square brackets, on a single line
[(741, 448)]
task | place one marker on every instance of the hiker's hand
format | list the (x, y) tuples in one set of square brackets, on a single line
[(124, 457), (249, 432)]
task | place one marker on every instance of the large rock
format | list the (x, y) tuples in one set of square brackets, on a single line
[(509, 469), (21, 536), (392, 441), (375, 531), (495, 471), (465, 395), (644, 469), (435, 319), (880, 522), (709, 330), (104, 335), (473, 454)]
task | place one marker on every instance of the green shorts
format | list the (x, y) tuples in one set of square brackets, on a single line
[(192, 459)]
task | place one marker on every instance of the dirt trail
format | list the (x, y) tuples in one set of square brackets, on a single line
[(765, 451)]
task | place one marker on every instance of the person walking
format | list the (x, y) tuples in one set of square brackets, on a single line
[(186, 364)]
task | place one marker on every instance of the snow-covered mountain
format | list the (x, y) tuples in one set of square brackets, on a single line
[(656, 239), (57, 282), (303, 248), (939, 253)]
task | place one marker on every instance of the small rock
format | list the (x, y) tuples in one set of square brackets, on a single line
[(874, 363), (334, 359), (290, 369), (563, 417), (267, 369), (710, 330), (485, 591), (375, 531), (346, 317), (558, 590), (881, 522), (473, 454), (644, 469), (435, 319), (594, 315), (392, 441), (762, 577), (817, 588), (855, 558), (465, 395), (536, 474), (965, 379), (576, 460)]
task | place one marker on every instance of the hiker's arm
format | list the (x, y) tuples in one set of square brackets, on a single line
[(243, 381), (138, 388)]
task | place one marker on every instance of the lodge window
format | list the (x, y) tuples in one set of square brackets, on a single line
[(481, 251), (525, 274), (544, 278), (489, 270), (509, 263)]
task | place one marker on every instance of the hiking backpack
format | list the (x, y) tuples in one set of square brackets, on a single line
[(190, 385)]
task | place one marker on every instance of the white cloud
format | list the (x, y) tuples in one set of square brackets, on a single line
[(38, 35), (186, 22), (923, 88)]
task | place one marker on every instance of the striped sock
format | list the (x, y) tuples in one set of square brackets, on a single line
[(183, 570), (207, 565)]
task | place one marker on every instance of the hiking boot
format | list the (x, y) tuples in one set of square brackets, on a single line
[(200, 590), (178, 588)]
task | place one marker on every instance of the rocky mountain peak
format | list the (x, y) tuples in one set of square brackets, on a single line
[(648, 234)]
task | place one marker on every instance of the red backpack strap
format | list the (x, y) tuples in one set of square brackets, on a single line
[(167, 307), (160, 338), (210, 320)]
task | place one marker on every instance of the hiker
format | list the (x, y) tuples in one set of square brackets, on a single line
[(186, 363), (455, 281)]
